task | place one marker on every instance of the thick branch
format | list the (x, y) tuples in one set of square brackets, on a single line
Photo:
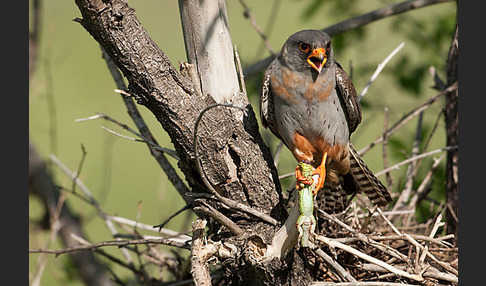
[(176, 104), (209, 47)]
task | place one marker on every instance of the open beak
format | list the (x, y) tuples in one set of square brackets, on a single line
[(317, 59)]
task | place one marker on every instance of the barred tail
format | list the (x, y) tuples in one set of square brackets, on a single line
[(332, 199), (366, 181)]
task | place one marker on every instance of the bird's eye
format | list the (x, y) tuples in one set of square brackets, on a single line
[(304, 47)]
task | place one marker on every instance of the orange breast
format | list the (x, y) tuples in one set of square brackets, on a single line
[(311, 150)]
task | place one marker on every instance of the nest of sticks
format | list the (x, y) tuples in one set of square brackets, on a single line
[(371, 247)]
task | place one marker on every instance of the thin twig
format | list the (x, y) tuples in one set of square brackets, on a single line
[(389, 180), (336, 244), (184, 208), (345, 275), (407, 117), (235, 205), (100, 251), (142, 127), (366, 239), (247, 13), (356, 22), (164, 231), (414, 158), (408, 237), (412, 168), (378, 70), (218, 216), (241, 77), (119, 243), (269, 26), (434, 129), (169, 152), (420, 193), (92, 201), (429, 273), (55, 226)]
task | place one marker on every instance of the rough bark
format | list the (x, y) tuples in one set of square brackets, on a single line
[(233, 156), (452, 132)]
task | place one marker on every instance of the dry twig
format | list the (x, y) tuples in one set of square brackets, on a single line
[(357, 22), (378, 70), (407, 117), (247, 13), (414, 158), (165, 241)]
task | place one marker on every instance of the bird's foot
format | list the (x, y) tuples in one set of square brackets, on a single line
[(321, 172)]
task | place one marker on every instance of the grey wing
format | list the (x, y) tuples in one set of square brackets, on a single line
[(267, 114), (348, 97)]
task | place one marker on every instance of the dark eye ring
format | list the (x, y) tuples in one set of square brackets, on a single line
[(304, 47)]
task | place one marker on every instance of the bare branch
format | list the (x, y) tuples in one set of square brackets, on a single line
[(164, 241), (412, 168), (218, 216), (429, 273), (247, 13), (378, 70), (164, 231), (414, 158), (237, 206), (333, 243), (389, 179), (142, 127), (269, 26), (421, 190), (390, 10), (92, 200), (357, 22), (407, 117), (345, 275)]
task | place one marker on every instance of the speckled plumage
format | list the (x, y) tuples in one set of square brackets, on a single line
[(314, 112)]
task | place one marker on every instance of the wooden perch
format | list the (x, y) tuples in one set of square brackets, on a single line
[(231, 146)]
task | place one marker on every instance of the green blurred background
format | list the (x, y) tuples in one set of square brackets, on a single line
[(72, 82)]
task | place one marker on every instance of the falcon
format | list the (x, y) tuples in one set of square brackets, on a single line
[(309, 102)]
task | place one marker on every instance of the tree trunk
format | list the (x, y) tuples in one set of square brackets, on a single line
[(234, 159)]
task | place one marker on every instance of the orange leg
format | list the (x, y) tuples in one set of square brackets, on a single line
[(321, 171), (301, 178)]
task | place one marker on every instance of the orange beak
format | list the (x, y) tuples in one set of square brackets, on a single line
[(317, 59)]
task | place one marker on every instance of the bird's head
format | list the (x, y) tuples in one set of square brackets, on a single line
[(307, 49)]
